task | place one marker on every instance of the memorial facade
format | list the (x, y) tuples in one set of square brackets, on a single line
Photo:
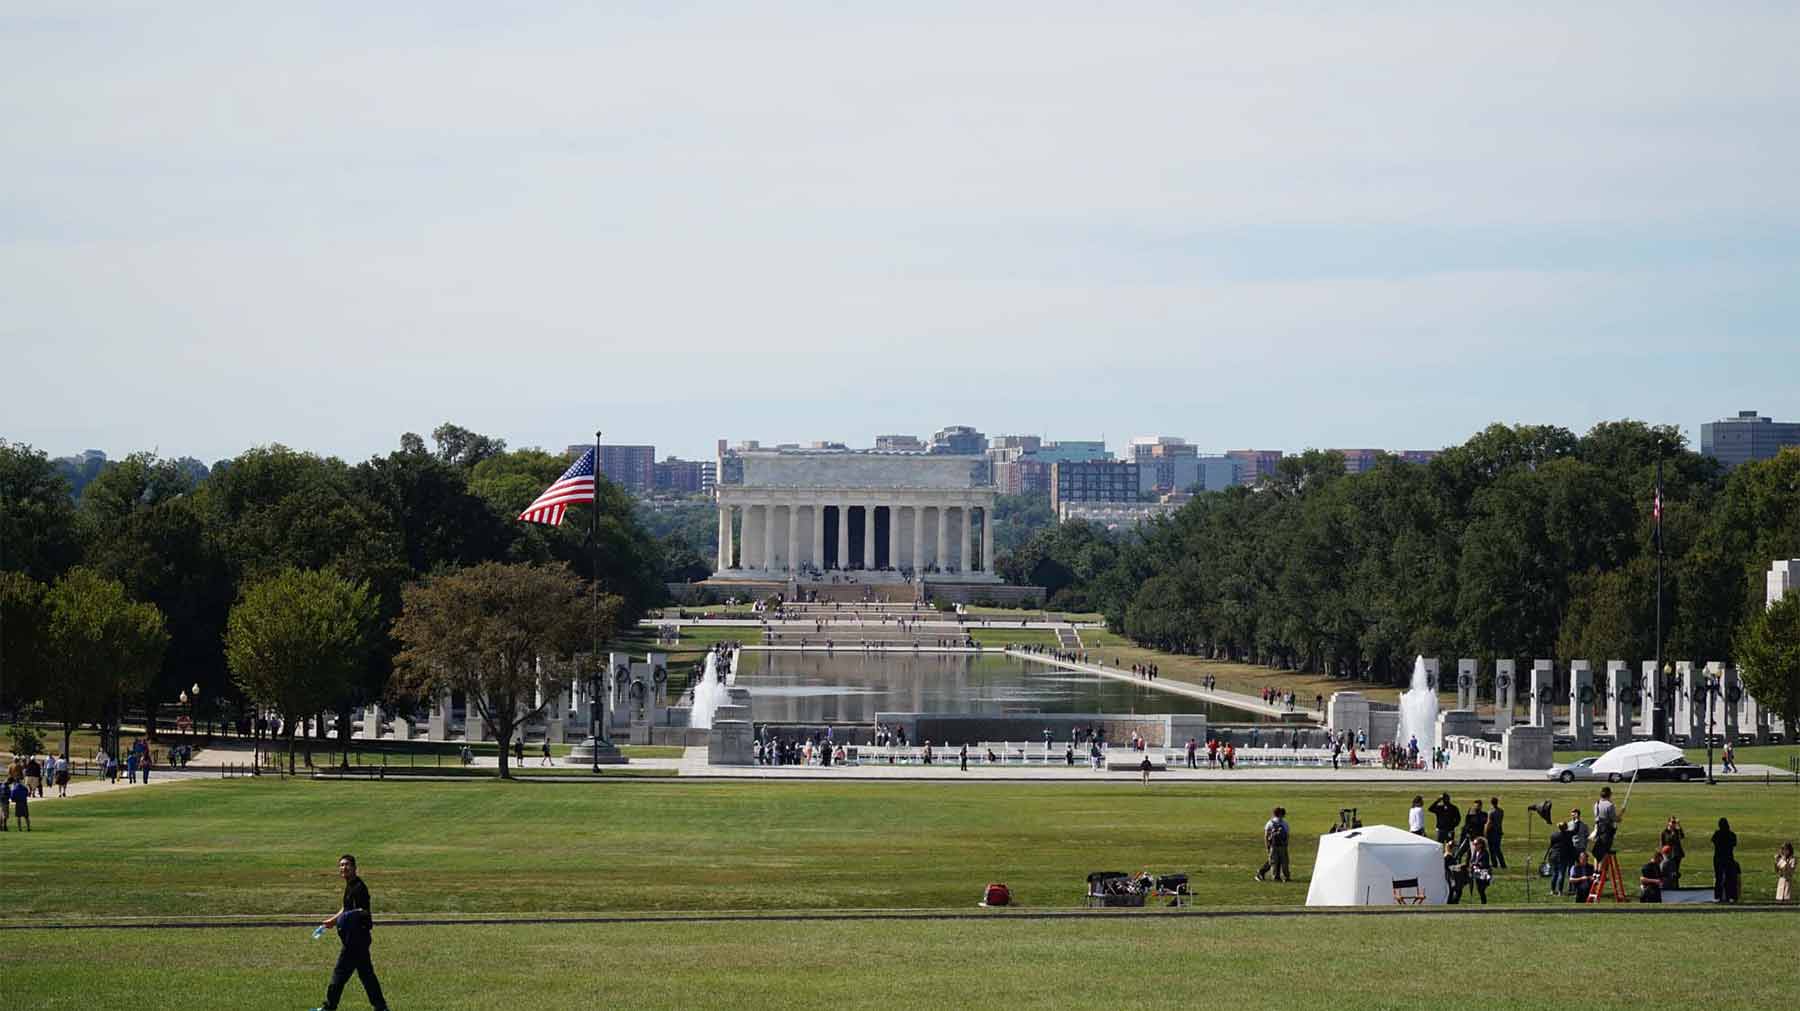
[(800, 514)]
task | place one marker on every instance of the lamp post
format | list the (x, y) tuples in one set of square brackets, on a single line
[(596, 685), (1712, 689)]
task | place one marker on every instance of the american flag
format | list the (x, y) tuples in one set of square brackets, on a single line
[(576, 485), (1656, 505)]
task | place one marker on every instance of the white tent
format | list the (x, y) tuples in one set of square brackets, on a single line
[(1629, 758), (1359, 867)]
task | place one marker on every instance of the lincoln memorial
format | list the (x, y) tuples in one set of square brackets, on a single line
[(811, 514)]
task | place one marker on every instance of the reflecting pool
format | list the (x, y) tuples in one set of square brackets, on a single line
[(850, 686)]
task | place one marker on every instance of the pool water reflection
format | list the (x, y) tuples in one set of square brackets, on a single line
[(850, 686)]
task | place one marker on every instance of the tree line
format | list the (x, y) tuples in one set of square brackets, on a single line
[(1526, 541), (152, 581)]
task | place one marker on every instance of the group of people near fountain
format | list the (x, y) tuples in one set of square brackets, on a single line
[(816, 749)]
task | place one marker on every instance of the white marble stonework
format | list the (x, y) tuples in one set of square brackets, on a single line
[(807, 514)]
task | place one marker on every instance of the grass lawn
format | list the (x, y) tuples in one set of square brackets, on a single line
[(1235, 677), (1734, 960), (260, 847), (1009, 636)]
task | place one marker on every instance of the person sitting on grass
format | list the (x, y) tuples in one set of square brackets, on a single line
[(1581, 876), (1650, 878)]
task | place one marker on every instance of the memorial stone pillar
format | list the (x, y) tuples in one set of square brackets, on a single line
[(1619, 695), (1731, 697), (437, 725), (1690, 702), (818, 537), (1506, 690), (1543, 683), (1466, 675), (1649, 699), (1581, 701)]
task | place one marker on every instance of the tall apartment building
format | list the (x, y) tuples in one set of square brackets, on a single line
[(1255, 464), (686, 476), (1095, 481), (632, 468), (1747, 437), (1022, 462)]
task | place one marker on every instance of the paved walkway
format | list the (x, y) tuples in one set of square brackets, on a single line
[(1236, 700)]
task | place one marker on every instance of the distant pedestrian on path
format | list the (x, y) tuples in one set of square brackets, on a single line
[(962, 757), (355, 929), (1144, 767), (547, 760)]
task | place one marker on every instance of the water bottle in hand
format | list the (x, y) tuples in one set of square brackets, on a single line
[(318, 932)]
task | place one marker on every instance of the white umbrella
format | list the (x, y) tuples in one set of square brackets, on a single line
[(1629, 758)]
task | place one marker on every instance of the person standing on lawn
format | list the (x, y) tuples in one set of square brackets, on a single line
[(355, 930), (1275, 843), (1494, 831)]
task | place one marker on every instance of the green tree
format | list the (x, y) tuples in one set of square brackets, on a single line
[(24, 622), (503, 635), (144, 527), (295, 641), (1767, 651), (100, 646), (37, 521)]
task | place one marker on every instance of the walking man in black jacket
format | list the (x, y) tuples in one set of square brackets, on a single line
[(354, 927)]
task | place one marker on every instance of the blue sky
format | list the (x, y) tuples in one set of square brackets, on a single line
[(1269, 225)]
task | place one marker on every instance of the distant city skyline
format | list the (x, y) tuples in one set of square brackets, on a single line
[(1282, 225), (1121, 447)]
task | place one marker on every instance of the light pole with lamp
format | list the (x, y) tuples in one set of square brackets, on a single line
[(1712, 689)]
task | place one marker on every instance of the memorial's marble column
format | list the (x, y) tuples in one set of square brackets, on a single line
[(894, 537), (768, 558), (869, 536), (818, 537), (724, 537), (968, 540), (987, 538), (944, 536), (751, 546), (918, 555), (793, 538), (843, 555)]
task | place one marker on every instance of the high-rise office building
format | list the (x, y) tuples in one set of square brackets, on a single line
[(1095, 481), (960, 440), (1255, 464), (1747, 437)]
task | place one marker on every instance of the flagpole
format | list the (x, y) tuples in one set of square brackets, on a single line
[(1666, 692), (599, 708)]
